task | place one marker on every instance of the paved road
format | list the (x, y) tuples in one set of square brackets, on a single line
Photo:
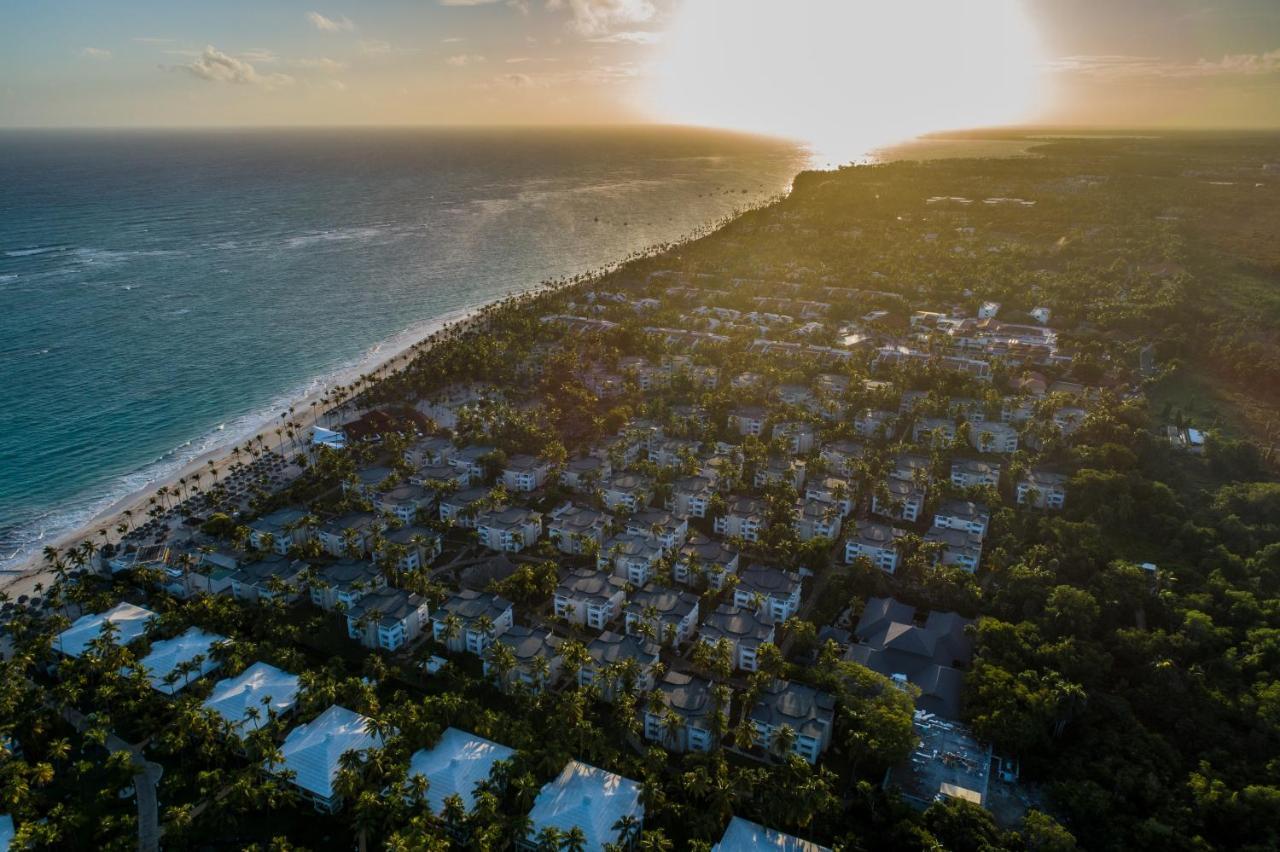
[(145, 779)]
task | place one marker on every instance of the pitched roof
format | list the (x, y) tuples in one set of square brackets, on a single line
[(587, 798), (746, 836), (807, 710), (455, 765), (168, 655), (311, 751), (130, 622), (262, 686)]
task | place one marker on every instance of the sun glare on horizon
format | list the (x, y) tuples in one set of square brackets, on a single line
[(847, 77)]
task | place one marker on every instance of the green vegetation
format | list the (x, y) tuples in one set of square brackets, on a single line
[(1126, 648)]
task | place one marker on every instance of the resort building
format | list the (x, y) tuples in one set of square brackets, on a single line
[(271, 577), (344, 582), (904, 500), (455, 765), (634, 558), (387, 618), (993, 438), (590, 799), (704, 562), (525, 473), (409, 547), (626, 492), (691, 496), (280, 530), (469, 621), (536, 653), (349, 534), (892, 641), (660, 526), (590, 598), (128, 622), (577, 530), (958, 547), (743, 518), (618, 661), (743, 629), (684, 721), (877, 542), (585, 473), (808, 712), (512, 529), (405, 502), (665, 615), (746, 836), (312, 753), (255, 696), (972, 473), (1043, 490), (174, 663), (769, 590), (462, 507), (962, 515), (816, 519)]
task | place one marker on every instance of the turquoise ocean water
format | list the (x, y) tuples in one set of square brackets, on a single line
[(162, 293)]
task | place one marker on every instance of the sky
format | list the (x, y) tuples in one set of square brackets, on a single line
[(804, 68)]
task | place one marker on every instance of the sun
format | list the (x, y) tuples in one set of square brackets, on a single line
[(846, 75)]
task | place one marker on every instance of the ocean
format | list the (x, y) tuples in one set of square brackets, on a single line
[(162, 293)]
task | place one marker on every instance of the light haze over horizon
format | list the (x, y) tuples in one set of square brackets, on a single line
[(817, 70)]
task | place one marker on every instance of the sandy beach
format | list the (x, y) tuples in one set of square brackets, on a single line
[(23, 578)]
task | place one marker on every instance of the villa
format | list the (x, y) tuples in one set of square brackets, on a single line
[(405, 502), (462, 507), (1042, 489), (256, 695), (175, 663), (590, 799), (313, 752), (626, 492), (634, 558), (455, 765), (743, 518), (746, 836), (128, 622)]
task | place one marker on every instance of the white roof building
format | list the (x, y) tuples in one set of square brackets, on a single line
[(588, 798), (311, 751), (130, 622), (745, 836), (170, 655), (456, 764), (263, 686)]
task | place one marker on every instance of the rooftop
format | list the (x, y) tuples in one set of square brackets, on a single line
[(587, 798), (261, 686), (171, 656), (455, 765), (746, 836), (129, 621), (312, 751), (806, 710)]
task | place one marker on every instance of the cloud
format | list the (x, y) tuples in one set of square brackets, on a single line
[(597, 18), (463, 59), (320, 63), (629, 37), (468, 2), (1120, 66), (373, 46), (152, 40), (259, 54), (218, 67), (96, 53), (330, 25)]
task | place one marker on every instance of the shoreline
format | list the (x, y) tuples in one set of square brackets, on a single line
[(30, 569)]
